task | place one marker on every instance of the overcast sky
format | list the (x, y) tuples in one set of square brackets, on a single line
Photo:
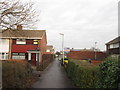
[(83, 22)]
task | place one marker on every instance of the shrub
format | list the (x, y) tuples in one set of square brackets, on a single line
[(15, 74), (83, 75), (109, 73)]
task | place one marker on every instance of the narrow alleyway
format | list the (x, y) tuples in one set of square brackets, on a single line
[(54, 76)]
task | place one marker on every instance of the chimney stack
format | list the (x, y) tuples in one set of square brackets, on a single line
[(19, 27)]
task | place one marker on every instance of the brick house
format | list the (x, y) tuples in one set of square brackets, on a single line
[(26, 44), (50, 49), (113, 46)]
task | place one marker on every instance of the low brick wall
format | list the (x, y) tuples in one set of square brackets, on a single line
[(96, 62), (83, 55), (16, 60)]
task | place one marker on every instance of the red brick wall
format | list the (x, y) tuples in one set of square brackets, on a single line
[(14, 41), (42, 44), (80, 55), (96, 62), (29, 41)]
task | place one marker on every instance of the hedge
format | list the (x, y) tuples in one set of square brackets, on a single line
[(82, 76), (109, 73), (16, 74), (86, 75)]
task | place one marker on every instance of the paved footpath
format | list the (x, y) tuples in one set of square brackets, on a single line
[(54, 76)]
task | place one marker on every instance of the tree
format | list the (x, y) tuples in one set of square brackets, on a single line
[(14, 13)]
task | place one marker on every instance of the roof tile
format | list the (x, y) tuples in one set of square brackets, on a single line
[(23, 34)]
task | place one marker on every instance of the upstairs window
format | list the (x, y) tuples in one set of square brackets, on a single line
[(20, 41), (115, 45), (35, 41)]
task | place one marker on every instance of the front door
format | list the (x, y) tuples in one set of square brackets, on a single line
[(33, 58)]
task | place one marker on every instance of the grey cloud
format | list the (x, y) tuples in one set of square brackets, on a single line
[(82, 21)]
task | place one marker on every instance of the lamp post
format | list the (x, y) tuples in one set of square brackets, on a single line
[(95, 51), (62, 46)]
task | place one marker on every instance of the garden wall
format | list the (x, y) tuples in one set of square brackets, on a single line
[(83, 55)]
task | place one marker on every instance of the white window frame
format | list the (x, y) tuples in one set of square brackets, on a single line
[(115, 45), (3, 56), (47, 50), (20, 41), (35, 42), (18, 56)]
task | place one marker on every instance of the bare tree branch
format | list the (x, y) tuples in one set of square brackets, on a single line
[(15, 13)]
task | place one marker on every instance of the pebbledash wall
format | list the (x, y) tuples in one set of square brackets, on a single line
[(83, 55), (0, 61), (4, 49)]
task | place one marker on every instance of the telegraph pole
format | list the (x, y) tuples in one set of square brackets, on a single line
[(95, 50), (62, 46)]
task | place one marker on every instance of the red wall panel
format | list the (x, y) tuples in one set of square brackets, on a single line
[(23, 48)]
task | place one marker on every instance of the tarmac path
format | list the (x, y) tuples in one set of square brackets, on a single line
[(54, 76)]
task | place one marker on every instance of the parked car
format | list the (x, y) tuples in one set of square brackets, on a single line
[(65, 61)]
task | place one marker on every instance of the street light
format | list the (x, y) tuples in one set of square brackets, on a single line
[(95, 51), (62, 46)]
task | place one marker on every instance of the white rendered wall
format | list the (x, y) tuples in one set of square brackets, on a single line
[(4, 45)]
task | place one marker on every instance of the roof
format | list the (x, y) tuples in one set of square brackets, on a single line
[(49, 47), (27, 34), (114, 41), (81, 49)]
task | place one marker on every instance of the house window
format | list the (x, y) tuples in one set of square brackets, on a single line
[(47, 50), (18, 55), (4, 56), (35, 41), (111, 46), (115, 45), (20, 41)]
